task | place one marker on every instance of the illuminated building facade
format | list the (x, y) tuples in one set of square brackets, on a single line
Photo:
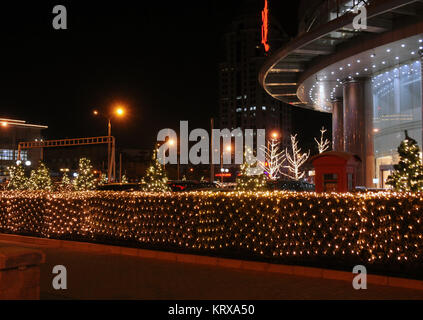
[(242, 101), (13, 132), (369, 79)]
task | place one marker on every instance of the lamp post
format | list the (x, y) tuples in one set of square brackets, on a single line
[(229, 149), (111, 161)]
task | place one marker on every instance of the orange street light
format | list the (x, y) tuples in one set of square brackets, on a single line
[(120, 112), (275, 135), (4, 124)]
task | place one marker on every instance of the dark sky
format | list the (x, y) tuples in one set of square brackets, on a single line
[(157, 57)]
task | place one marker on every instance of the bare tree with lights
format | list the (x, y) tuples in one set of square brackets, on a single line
[(275, 159), (295, 161), (323, 144)]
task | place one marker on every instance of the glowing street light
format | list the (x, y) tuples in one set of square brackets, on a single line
[(4, 124), (118, 111)]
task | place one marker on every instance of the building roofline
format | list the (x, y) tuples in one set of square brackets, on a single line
[(282, 84)]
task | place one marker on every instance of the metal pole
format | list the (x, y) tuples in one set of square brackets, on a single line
[(164, 160), (211, 149), (120, 167), (109, 163), (114, 159), (178, 167), (19, 152), (221, 164)]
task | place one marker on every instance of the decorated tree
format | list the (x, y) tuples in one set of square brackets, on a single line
[(295, 161), (66, 183), (248, 179), (275, 159), (324, 143), (103, 179), (18, 180), (408, 173), (40, 179), (85, 179), (155, 179)]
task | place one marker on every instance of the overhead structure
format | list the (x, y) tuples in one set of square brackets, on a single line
[(109, 140)]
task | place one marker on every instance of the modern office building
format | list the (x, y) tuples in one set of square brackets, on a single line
[(11, 133), (369, 78), (242, 101)]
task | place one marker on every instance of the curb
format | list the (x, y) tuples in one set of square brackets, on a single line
[(214, 261)]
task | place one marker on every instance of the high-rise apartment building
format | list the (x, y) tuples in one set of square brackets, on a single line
[(242, 101)]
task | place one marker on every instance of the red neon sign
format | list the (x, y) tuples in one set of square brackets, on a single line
[(225, 175), (265, 27)]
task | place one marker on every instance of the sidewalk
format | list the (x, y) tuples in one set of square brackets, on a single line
[(109, 276)]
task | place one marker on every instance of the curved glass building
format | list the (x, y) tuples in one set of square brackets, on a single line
[(370, 79)]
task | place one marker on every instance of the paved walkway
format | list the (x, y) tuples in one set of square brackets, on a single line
[(107, 276)]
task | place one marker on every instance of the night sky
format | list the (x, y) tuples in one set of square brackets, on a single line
[(159, 58)]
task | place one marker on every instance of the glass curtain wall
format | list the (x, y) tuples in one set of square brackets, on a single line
[(397, 106)]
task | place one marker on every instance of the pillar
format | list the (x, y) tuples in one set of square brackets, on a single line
[(338, 124), (354, 124)]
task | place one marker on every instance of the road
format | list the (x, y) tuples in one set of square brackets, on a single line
[(108, 276)]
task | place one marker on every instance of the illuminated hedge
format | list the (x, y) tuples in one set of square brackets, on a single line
[(283, 226)]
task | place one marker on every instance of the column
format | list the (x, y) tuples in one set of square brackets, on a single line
[(354, 124), (370, 172), (338, 124)]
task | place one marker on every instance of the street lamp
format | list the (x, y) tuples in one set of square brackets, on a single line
[(118, 111)]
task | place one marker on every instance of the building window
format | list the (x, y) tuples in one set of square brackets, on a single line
[(12, 155)]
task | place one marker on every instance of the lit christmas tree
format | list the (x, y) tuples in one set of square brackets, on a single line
[(408, 173), (40, 179), (18, 180), (103, 179), (155, 179), (247, 181), (85, 180), (66, 183)]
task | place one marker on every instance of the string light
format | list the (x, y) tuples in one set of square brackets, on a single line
[(374, 228)]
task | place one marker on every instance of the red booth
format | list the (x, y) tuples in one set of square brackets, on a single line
[(335, 171)]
